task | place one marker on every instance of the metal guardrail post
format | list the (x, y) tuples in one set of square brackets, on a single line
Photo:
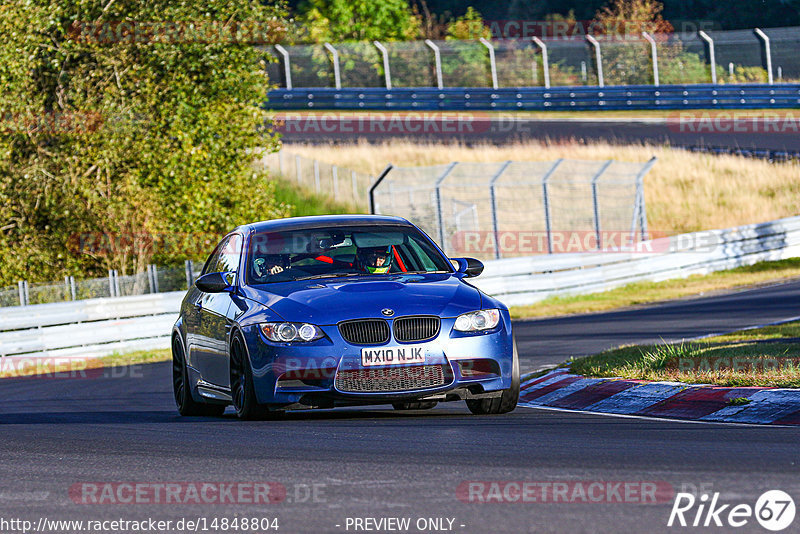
[(492, 63), (337, 77), (545, 61), (155, 279), (598, 58), (72, 292), (375, 184), (712, 56), (21, 290), (387, 75), (546, 201), (189, 268), (439, 211), (595, 204), (767, 53), (492, 194), (437, 58), (117, 292), (654, 56), (287, 68)]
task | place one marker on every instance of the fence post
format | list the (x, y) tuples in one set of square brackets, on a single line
[(150, 283), (21, 289), (117, 292), (66, 288), (375, 184), (297, 169), (72, 291), (316, 176), (493, 197), (640, 192), (439, 212), (492, 63), (545, 61), (189, 268), (335, 177), (598, 58), (711, 55), (546, 199), (654, 54), (595, 205), (287, 69), (337, 78), (767, 53), (437, 58), (387, 75), (111, 282)]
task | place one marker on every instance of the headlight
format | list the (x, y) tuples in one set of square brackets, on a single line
[(477, 320), (288, 332)]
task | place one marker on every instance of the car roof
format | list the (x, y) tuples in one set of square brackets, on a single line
[(321, 221)]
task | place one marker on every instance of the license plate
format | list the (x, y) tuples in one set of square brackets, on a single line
[(393, 355)]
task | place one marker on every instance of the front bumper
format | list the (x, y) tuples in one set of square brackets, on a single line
[(299, 374)]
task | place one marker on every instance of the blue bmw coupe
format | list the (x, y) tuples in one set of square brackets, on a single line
[(321, 312)]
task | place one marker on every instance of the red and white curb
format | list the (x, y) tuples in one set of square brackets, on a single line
[(561, 389)]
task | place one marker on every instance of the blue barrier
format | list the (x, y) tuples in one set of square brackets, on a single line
[(635, 97)]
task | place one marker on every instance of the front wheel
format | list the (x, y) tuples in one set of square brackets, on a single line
[(243, 390), (504, 403), (187, 406)]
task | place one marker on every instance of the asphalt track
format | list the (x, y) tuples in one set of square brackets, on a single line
[(684, 129), (55, 433)]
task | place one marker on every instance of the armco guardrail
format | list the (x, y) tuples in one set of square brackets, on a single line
[(98, 327), (522, 281), (635, 97), (87, 328)]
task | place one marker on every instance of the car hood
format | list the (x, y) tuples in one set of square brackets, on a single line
[(328, 301)]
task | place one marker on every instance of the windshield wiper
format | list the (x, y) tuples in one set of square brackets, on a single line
[(327, 275)]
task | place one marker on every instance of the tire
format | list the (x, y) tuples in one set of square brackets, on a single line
[(415, 405), (184, 401), (243, 390), (504, 403)]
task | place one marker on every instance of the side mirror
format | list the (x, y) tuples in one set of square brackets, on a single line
[(214, 282), (469, 266)]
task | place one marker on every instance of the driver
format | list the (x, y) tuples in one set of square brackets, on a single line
[(265, 266), (375, 260)]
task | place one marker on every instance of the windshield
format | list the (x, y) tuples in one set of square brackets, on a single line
[(342, 251)]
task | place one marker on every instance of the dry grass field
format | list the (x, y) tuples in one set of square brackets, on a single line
[(684, 192)]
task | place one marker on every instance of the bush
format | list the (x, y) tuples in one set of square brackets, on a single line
[(109, 129)]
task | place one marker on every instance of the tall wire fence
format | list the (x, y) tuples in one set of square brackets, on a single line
[(340, 184), (738, 56), (510, 209)]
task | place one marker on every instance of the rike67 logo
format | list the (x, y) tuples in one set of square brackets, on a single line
[(774, 510)]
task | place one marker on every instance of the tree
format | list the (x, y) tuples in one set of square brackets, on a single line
[(360, 20), (140, 133)]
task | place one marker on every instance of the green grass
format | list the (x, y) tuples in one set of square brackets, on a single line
[(648, 292), (755, 357), (74, 365), (302, 202)]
